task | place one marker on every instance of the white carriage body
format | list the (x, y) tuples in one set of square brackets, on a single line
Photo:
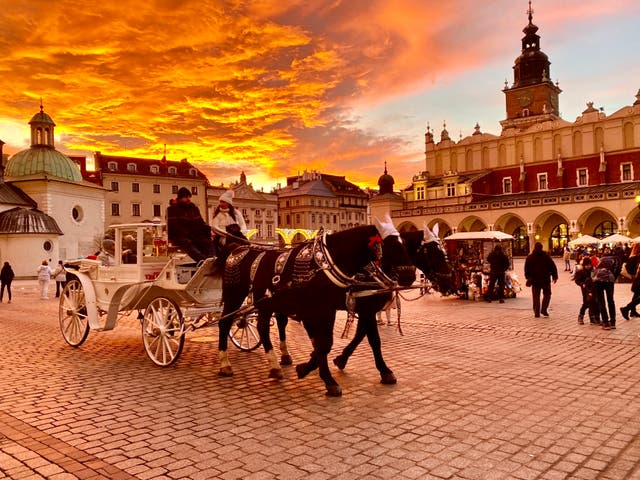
[(140, 268)]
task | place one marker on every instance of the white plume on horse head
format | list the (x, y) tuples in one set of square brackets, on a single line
[(385, 228), (431, 235)]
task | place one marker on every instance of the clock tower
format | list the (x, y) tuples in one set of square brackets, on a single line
[(533, 97)]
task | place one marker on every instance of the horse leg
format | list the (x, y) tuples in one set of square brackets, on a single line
[(224, 327), (282, 320), (264, 321), (304, 369), (368, 320), (341, 360)]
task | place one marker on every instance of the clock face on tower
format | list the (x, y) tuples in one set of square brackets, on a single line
[(525, 99)]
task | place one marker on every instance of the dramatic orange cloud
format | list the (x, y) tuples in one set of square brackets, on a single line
[(268, 87)]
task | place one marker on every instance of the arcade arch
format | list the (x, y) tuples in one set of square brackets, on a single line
[(472, 224)]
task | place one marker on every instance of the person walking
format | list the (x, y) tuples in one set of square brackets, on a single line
[(44, 277), (605, 276), (6, 277), (566, 256), (60, 276), (583, 279), (632, 267), (498, 265), (540, 270)]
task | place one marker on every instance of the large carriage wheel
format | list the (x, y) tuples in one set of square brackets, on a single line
[(244, 332), (163, 331), (72, 313)]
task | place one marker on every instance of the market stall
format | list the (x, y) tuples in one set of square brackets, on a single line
[(468, 251)]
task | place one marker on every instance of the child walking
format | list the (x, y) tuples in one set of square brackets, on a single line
[(582, 277)]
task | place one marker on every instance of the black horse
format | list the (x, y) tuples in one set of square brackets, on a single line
[(310, 281), (428, 255)]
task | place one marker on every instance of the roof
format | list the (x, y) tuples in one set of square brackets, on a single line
[(144, 167), (27, 221), (486, 235), (11, 195), (42, 160)]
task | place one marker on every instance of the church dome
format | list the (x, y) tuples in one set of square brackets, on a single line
[(385, 182), (42, 158), (39, 160)]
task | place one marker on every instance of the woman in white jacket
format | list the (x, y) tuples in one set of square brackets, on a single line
[(227, 219), (44, 277)]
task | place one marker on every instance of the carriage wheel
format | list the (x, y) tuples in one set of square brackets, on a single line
[(244, 333), (163, 331), (72, 313)]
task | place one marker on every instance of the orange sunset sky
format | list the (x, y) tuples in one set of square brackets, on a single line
[(274, 87)]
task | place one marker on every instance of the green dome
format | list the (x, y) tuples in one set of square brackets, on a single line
[(41, 117), (42, 160)]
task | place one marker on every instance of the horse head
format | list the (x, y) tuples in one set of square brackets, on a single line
[(429, 256), (395, 260)]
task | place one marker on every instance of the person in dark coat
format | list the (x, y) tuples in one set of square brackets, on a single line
[(6, 277), (498, 265), (605, 275), (583, 279), (539, 271), (632, 267), (187, 229)]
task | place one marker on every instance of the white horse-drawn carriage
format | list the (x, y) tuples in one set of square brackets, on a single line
[(139, 272)]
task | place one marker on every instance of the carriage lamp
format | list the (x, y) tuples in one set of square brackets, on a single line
[(638, 201)]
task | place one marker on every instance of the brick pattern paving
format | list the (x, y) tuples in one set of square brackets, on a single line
[(485, 391)]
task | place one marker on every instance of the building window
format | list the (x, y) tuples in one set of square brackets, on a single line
[(157, 211), (451, 189), (77, 213), (172, 171), (313, 219), (174, 189), (193, 172), (135, 209), (194, 190), (131, 167), (542, 181), (245, 214), (156, 188), (115, 209), (269, 230), (259, 228), (286, 203), (312, 202), (582, 177), (626, 172), (297, 219), (115, 186), (112, 166), (288, 220), (135, 187), (506, 185), (154, 169), (420, 192)]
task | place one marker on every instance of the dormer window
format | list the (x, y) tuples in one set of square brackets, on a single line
[(173, 170), (582, 177), (131, 167), (626, 172), (192, 172), (451, 189), (112, 166), (154, 169)]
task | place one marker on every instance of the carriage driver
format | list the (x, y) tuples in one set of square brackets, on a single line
[(187, 229)]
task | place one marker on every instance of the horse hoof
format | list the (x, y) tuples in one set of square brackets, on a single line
[(340, 362), (225, 372), (276, 373), (388, 378), (286, 360), (301, 370), (334, 391)]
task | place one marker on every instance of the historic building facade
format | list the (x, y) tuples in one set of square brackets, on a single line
[(139, 189), (542, 179), (47, 210), (315, 199)]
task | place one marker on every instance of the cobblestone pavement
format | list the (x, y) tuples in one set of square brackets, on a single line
[(485, 391)]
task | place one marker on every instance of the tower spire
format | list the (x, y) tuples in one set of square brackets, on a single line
[(530, 12)]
